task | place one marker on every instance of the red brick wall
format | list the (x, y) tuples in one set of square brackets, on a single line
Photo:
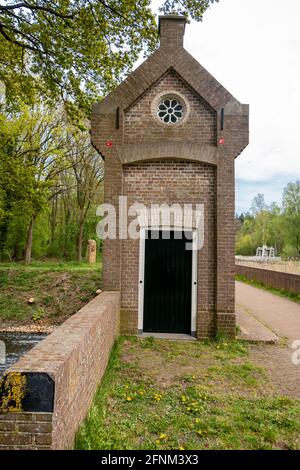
[(75, 356), (225, 229), (172, 68), (276, 279), (171, 182), (175, 181), (200, 126), (21, 431)]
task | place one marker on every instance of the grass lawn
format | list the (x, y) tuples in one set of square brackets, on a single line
[(59, 290), (188, 395)]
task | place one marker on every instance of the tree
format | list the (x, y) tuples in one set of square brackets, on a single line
[(266, 227), (48, 171), (245, 244), (32, 156), (291, 206), (77, 50), (13, 179), (88, 172), (258, 204)]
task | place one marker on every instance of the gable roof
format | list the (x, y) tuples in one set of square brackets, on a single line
[(150, 71)]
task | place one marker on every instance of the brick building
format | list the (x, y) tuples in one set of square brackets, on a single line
[(170, 134)]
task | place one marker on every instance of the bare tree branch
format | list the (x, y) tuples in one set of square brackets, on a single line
[(29, 6), (15, 41)]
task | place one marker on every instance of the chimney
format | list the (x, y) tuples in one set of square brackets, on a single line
[(171, 30)]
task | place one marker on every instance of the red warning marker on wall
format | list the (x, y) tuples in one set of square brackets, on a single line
[(222, 141), (108, 143)]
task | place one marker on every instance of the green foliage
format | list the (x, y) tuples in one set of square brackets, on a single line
[(56, 58), (193, 8), (38, 314), (61, 46), (291, 206), (79, 50), (272, 226), (31, 152), (245, 245), (49, 173)]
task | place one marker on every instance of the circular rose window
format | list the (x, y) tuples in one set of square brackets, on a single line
[(170, 110)]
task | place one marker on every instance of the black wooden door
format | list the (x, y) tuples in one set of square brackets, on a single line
[(167, 284)]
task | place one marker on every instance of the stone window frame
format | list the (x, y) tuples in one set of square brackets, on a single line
[(170, 94)]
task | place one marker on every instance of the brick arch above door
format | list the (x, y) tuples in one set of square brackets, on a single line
[(134, 153)]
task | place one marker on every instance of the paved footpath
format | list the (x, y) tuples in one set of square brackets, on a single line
[(282, 316), (264, 314)]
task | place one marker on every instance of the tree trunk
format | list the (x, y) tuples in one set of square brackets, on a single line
[(4, 226), (3, 235), (53, 221), (66, 221), (28, 246), (80, 240), (18, 249)]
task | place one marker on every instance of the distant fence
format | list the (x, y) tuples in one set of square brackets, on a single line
[(276, 279), (49, 391), (274, 264), (258, 259)]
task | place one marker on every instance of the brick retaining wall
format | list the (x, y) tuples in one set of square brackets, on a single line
[(74, 357), (26, 431), (276, 279)]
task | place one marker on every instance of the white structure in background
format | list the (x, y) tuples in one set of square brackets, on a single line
[(265, 252)]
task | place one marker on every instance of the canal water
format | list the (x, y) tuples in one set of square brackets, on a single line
[(16, 344)]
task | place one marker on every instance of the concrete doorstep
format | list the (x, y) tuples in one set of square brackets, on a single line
[(170, 336), (253, 330)]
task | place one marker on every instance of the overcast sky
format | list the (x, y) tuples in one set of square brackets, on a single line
[(253, 48)]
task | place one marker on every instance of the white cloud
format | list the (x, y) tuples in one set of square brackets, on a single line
[(253, 48)]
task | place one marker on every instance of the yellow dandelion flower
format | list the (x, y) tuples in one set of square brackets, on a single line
[(181, 448), (129, 398), (183, 398), (163, 436)]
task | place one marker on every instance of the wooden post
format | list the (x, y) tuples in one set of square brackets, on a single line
[(92, 251)]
